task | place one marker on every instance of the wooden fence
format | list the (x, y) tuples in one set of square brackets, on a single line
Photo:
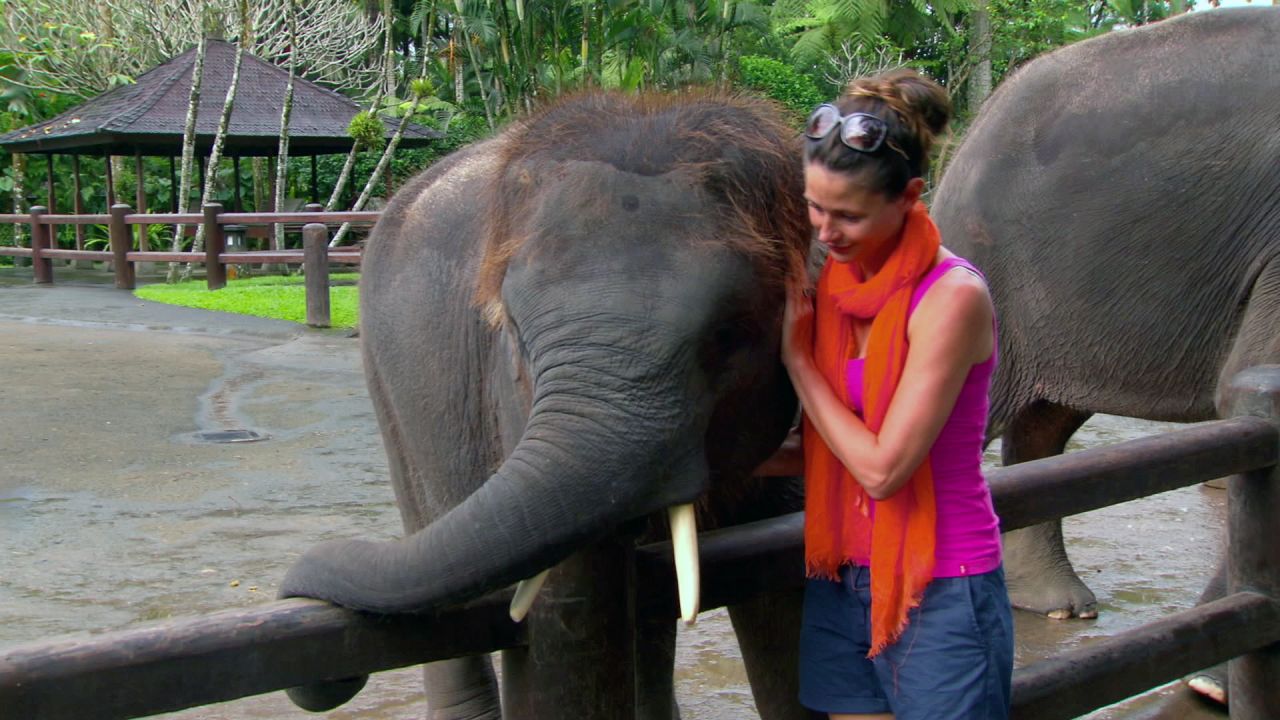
[(187, 663), (123, 226)]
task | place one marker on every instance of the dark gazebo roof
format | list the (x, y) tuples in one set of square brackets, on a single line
[(148, 116)]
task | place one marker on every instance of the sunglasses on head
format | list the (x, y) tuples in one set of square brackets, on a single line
[(861, 131)]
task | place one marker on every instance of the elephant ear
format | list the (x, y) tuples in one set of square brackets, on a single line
[(511, 189)]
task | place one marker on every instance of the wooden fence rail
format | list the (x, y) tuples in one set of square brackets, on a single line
[(120, 224), (192, 662), (187, 663)]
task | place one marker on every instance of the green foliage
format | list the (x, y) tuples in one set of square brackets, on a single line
[(1022, 30), (420, 88), (781, 82), (467, 67), (281, 298), (367, 130)]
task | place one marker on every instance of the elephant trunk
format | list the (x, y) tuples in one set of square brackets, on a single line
[(581, 468)]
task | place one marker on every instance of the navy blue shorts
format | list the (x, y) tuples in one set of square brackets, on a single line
[(954, 660)]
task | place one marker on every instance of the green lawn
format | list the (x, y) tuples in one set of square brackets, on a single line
[(269, 296)]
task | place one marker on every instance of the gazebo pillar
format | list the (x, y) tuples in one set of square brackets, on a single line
[(235, 170), (140, 206), (77, 207), (51, 199), (173, 186), (111, 181)]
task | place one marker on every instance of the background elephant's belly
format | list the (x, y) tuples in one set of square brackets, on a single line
[(164, 537)]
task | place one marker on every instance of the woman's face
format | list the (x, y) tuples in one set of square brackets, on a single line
[(855, 223)]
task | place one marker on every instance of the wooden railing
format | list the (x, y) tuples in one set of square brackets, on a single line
[(187, 663), (122, 227)]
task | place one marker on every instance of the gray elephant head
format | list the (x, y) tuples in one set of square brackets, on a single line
[(566, 328)]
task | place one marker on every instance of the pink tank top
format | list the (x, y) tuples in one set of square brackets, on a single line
[(968, 529)]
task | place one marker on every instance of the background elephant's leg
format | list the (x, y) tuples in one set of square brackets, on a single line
[(1212, 682), (1039, 573), (655, 669), (768, 630), (1257, 342), (462, 689)]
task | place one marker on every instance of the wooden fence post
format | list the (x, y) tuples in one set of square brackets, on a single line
[(121, 244), (1253, 553), (585, 616), (315, 245), (41, 234), (215, 243)]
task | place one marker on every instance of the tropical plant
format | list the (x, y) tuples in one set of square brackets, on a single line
[(85, 48)]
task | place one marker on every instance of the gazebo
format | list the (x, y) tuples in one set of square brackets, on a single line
[(147, 118)]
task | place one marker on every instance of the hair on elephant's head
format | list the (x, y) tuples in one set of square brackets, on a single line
[(635, 256), (726, 163)]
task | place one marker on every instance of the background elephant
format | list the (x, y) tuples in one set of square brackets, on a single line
[(568, 328), (1122, 196)]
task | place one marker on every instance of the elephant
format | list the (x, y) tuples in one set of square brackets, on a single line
[(568, 329), (1121, 196)]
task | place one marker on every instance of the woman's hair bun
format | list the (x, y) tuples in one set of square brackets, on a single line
[(921, 103)]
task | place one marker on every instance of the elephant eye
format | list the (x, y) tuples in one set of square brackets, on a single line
[(729, 338)]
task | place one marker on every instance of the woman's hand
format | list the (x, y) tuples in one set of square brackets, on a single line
[(797, 326)]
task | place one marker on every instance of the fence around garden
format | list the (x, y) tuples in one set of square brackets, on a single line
[(222, 656), (124, 226)]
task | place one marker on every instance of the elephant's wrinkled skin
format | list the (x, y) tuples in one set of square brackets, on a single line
[(567, 328), (1123, 197)]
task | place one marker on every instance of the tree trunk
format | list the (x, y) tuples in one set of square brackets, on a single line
[(188, 150), (459, 81), (475, 66), (220, 137), (389, 72), (586, 41), (980, 37), (282, 153), (19, 204), (261, 191), (388, 54), (383, 162)]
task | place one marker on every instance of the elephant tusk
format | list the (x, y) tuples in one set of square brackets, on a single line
[(684, 545), (526, 591)]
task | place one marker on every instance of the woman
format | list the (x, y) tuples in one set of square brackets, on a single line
[(906, 612)]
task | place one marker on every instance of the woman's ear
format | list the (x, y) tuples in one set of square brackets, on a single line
[(912, 192)]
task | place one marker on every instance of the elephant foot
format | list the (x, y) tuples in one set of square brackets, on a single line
[(322, 696), (1040, 576), (1058, 595), (1210, 683)]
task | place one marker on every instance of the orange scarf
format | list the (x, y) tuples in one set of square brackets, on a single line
[(838, 526)]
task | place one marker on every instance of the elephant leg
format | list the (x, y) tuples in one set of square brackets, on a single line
[(1257, 342), (655, 669), (462, 689), (1212, 682), (768, 630), (1039, 574)]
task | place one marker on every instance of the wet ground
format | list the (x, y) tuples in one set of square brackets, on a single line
[(115, 510)]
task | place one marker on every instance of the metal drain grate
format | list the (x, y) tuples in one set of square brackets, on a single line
[(231, 436)]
